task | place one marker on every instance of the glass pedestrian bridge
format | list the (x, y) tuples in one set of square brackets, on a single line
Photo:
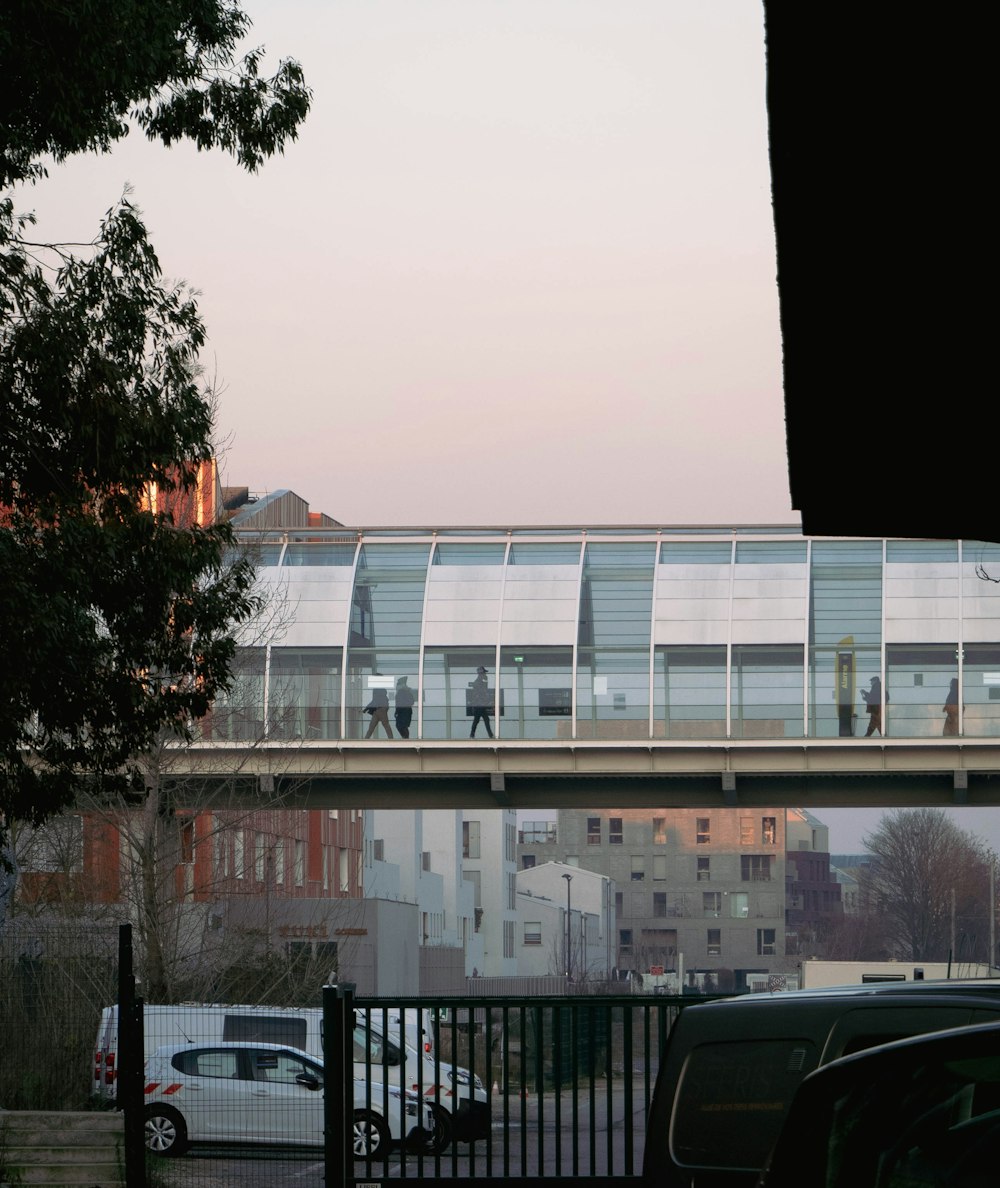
[(664, 667), (616, 635)]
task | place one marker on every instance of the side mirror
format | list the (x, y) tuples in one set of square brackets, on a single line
[(309, 1081)]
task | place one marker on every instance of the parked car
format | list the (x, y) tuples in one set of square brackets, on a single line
[(458, 1096), (915, 1113), (731, 1067), (265, 1093)]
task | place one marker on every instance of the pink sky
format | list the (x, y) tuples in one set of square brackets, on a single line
[(518, 268)]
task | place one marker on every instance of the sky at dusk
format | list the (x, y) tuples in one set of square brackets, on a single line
[(518, 268)]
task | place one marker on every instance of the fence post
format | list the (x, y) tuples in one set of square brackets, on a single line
[(131, 1060), (338, 1084)]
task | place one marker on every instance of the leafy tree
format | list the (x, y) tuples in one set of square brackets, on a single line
[(929, 881), (118, 614)]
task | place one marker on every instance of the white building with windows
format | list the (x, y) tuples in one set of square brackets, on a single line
[(489, 863), (546, 894)]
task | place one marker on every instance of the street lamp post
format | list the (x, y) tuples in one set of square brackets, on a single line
[(569, 935)]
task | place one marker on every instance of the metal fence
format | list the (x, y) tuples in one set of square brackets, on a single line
[(528, 1087), (536, 1088)]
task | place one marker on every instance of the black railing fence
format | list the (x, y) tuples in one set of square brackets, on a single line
[(533, 1088)]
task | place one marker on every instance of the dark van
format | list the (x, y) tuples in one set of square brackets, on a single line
[(731, 1067)]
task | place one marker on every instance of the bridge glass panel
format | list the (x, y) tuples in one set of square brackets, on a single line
[(981, 699), (696, 552), (315, 552), (916, 551), (766, 691), (554, 553), (262, 553), (386, 620), (237, 715), (453, 701), (537, 686), (616, 610), (771, 552), (689, 692), (303, 693), (918, 682), (845, 634)]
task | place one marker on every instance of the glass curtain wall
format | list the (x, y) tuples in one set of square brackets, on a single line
[(384, 640), (616, 609), (845, 635)]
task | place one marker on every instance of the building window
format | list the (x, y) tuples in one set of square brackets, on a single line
[(378, 849), (56, 846), (425, 860), (711, 903), (746, 831), (475, 878), (768, 831), (593, 831), (221, 855), (259, 856), (659, 903), (638, 868), (527, 861), (614, 831), (279, 862), (704, 870), (703, 831), (765, 942), (755, 868), (300, 862), (470, 839), (714, 948), (625, 939), (532, 932), (619, 903), (659, 867), (239, 841), (739, 905), (659, 831), (187, 841)]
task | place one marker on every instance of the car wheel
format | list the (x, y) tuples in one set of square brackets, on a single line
[(166, 1133), (371, 1136), (440, 1138)]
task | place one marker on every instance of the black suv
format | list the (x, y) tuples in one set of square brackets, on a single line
[(924, 1111), (731, 1067)]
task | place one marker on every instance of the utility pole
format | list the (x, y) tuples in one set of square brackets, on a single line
[(569, 936)]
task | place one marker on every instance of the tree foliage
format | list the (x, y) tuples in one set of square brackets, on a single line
[(929, 882), (118, 616)]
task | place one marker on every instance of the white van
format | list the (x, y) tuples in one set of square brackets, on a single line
[(458, 1097), (415, 1025)]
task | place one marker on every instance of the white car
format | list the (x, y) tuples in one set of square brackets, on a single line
[(265, 1093)]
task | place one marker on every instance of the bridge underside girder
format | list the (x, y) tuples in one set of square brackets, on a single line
[(890, 773)]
